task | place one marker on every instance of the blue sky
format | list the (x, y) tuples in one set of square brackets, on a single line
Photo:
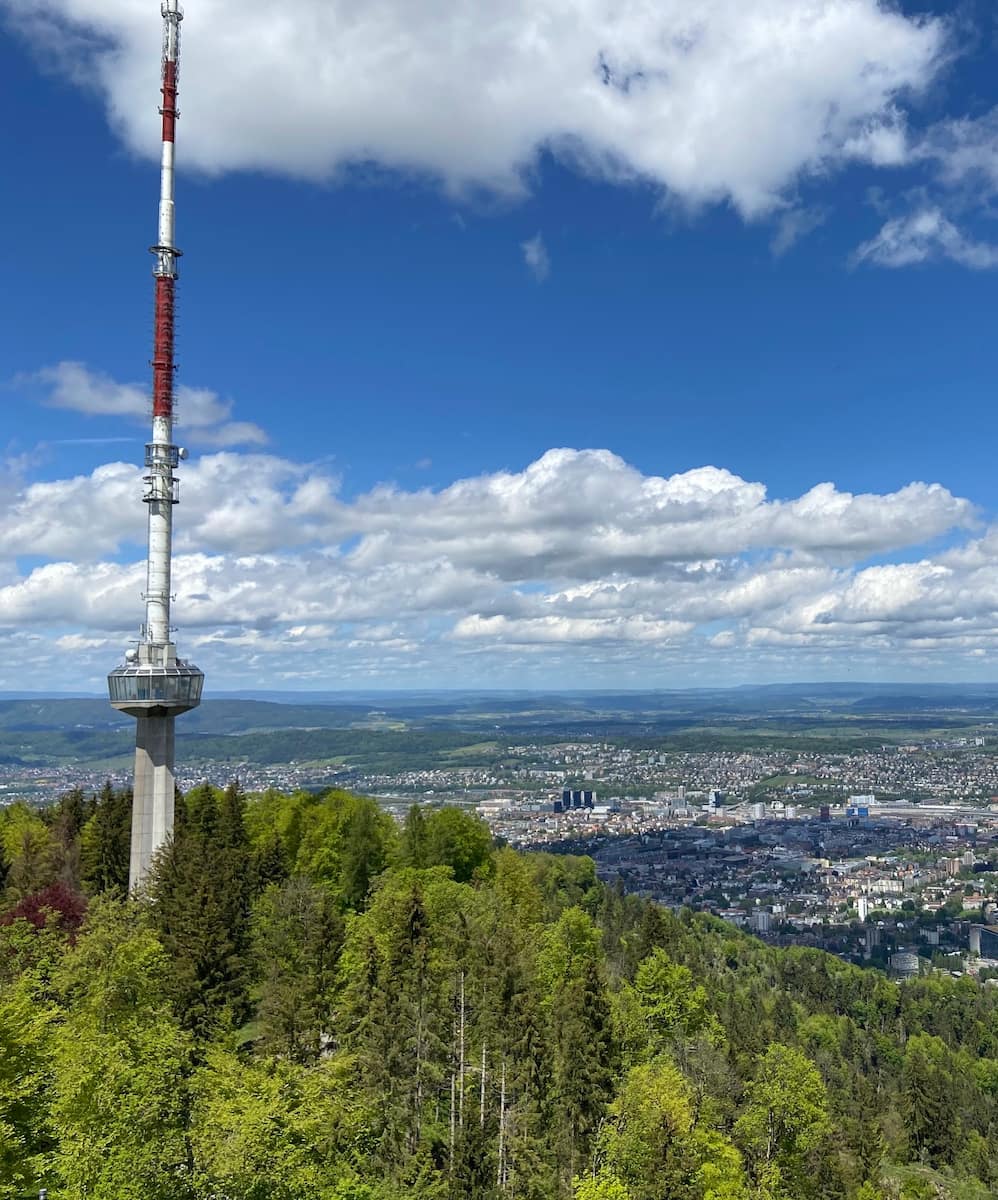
[(764, 244)]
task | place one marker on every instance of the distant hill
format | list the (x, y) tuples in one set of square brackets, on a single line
[(371, 726), (214, 716)]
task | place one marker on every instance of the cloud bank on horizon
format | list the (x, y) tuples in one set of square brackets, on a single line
[(577, 566)]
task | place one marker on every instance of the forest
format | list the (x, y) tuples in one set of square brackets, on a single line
[(309, 1002)]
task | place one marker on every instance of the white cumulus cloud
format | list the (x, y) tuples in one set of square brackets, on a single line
[(721, 100), (571, 515)]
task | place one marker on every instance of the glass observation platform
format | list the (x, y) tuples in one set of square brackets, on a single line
[(146, 689)]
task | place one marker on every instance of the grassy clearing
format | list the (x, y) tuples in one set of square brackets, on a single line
[(476, 750)]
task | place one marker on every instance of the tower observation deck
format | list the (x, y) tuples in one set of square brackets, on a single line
[(154, 685)]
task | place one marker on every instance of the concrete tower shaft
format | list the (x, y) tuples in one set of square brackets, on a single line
[(154, 685)]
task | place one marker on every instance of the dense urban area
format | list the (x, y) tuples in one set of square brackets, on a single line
[(886, 855)]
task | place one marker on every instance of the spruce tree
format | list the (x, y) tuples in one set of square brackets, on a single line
[(583, 1060), (71, 814), (200, 889), (581, 1044), (297, 936), (269, 863), (106, 842), (929, 1098), (473, 1175), (528, 1158), (413, 849), (408, 982), (364, 1028), (363, 856), (394, 1015)]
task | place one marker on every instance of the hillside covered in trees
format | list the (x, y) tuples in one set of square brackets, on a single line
[(311, 1004)]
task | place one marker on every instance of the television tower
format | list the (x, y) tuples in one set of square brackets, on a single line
[(154, 685)]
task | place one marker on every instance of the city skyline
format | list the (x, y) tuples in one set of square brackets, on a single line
[(548, 395)]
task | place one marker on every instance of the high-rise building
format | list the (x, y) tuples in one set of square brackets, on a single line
[(760, 921)]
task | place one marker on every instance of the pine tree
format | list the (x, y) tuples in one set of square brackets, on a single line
[(67, 819)]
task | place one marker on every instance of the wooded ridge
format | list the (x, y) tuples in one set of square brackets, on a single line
[(312, 1004)]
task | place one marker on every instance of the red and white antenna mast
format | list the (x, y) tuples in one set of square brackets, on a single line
[(161, 480), (154, 685)]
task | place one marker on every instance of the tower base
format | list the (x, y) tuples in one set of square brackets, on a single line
[(152, 803)]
